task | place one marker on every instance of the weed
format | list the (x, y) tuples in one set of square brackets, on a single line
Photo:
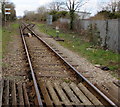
[(66, 80), (7, 33), (0, 42)]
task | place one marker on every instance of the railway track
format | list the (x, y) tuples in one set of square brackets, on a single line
[(53, 81)]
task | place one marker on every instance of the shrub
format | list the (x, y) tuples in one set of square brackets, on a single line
[(58, 14)]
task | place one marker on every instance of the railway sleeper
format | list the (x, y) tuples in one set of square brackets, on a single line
[(66, 94), (53, 94), (13, 94)]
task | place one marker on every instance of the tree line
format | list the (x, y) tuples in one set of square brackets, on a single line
[(56, 9), (66, 9), (109, 11), (69, 10)]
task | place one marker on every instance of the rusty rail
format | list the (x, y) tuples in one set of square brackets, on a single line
[(32, 72)]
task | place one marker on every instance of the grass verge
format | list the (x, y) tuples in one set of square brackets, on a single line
[(0, 42), (0, 33), (7, 33), (74, 43)]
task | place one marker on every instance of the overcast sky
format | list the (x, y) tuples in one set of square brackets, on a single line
[(21, 5)]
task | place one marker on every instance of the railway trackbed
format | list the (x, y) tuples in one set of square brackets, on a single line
[(52, 80)]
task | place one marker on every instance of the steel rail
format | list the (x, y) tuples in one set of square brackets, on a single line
[(78, 73), (32, 72)]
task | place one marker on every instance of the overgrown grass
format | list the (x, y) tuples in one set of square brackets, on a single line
[(74, 43), (0, 42), (7, 33), (0, 33)]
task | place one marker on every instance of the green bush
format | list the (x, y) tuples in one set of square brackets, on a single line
[(109, 14), (58, 14), (62, 13)]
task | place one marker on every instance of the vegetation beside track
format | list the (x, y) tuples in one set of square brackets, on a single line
[(7, 33), (0, 42), (94, 55), (0, 33)]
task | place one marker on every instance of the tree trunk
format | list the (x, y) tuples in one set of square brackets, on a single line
[(71, 20)]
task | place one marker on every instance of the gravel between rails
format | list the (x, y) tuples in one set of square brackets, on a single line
[(41, 55)]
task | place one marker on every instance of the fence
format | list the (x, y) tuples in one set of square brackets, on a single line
[(109, 31)]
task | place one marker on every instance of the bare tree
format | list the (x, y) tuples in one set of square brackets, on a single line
[(29, 15), (42, 12), (112, 6), (72, 6), (56, 6), (39, 15)]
